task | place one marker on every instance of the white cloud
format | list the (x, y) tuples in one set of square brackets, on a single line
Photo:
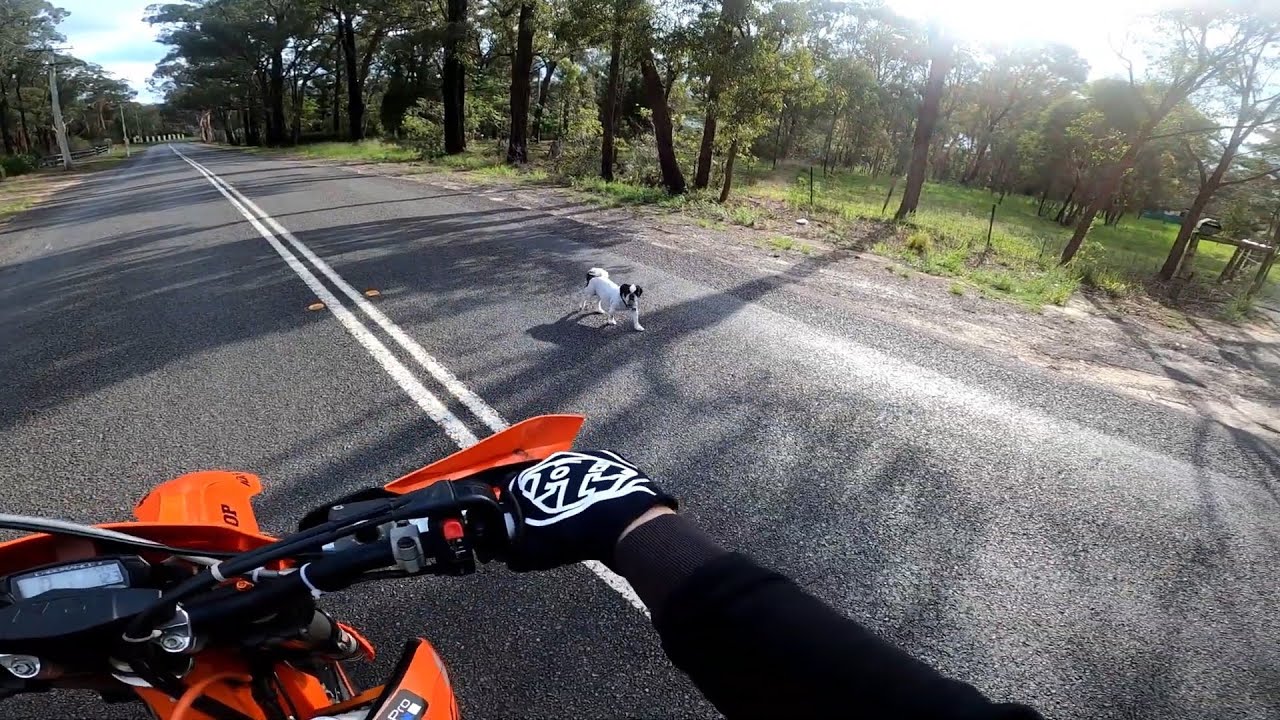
[(113, 34)]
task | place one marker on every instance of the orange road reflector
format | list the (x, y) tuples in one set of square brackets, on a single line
[(371, 293), (315, 306)]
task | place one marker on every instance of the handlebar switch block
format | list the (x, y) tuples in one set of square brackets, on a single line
[(406, 545)]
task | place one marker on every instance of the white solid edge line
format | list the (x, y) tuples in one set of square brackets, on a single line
[(430, 404), (473, 402)]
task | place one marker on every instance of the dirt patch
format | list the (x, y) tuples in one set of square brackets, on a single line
[(1134, 346), (26, 191)]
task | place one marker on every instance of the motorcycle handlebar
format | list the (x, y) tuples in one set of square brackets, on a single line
[(464, 522)]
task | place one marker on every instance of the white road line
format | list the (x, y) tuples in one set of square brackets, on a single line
[(473, 402), (429, 403), (441, 374)]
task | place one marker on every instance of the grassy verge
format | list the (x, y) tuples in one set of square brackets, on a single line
[(25, 191), (948, 237)]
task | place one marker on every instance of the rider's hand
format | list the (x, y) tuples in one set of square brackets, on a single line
[(576, 505)]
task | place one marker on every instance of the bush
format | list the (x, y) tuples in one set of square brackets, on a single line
[(11, 165), (422, 127), (1238, 308), (919, 242)]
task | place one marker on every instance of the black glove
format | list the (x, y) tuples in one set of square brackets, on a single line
[(574, 506)]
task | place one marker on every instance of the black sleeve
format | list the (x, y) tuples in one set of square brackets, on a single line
[(757, 645)]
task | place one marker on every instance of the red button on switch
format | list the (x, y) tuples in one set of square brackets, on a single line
[(452, 530)]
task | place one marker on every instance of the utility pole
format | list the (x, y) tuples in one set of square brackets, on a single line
[(59, 128), (124, 131)]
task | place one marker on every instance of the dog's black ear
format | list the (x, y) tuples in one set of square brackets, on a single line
[(625, 289), (639, 291)]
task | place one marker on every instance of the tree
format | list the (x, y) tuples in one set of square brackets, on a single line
[(1016, 82), (360, 25), (719, 44), (1202, 41), (1254, 103), (942, 52), (521, 68), (656, 98), (453, 81)]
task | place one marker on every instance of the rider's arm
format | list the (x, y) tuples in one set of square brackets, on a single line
[(755, 644)]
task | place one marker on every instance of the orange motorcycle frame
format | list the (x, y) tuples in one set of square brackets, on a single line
[(212, 510)]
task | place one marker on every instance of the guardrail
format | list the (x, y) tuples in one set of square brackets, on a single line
[(54, 160)]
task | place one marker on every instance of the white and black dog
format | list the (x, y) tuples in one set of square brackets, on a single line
[(611, 298)]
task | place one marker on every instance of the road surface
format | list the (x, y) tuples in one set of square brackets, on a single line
[(1047, 541)]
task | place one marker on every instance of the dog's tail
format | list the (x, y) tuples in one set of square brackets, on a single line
[(597, 273)]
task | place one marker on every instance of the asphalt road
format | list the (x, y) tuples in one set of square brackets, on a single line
[(1045, 540)]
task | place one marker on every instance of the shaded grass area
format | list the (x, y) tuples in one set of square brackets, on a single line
[(25, 191)]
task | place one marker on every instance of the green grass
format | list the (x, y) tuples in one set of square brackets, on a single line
[(781, 242), (619, 193), (15, 206), (956, 289), (372, 151), (1238, 309), (948, 234)]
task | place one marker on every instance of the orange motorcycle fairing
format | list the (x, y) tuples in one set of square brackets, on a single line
[(534, 439), (419, 689), (207, 510), (208, 497)]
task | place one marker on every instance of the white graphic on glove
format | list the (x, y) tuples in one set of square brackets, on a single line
[(567, 483)]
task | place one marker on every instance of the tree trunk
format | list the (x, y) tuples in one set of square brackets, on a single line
[(777, 139), (4, 120), (299, 96), (607, 151), (1207, 190), (275, 98), (521, 69), (672, 178), (337, 94), (939, 65), (702, 176), (544, 88), (975, 167), (728, 170), (453, 82), (1062, 211), (1264, 266), (355, 84), (831, 132)]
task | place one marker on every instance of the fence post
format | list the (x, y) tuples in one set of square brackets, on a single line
[(810, 189), (990, 226), (889, 197)]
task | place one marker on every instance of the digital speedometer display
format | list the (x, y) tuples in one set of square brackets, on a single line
[(80, 576)]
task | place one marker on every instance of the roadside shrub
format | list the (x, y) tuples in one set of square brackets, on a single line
[(1238, 308), (13, 165), (422, 127), (919, 242), (743, 216)]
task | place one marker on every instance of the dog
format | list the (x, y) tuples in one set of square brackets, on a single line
[(611, 298)]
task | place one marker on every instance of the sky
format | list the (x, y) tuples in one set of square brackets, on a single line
[(1092, 27), (112, 33)]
